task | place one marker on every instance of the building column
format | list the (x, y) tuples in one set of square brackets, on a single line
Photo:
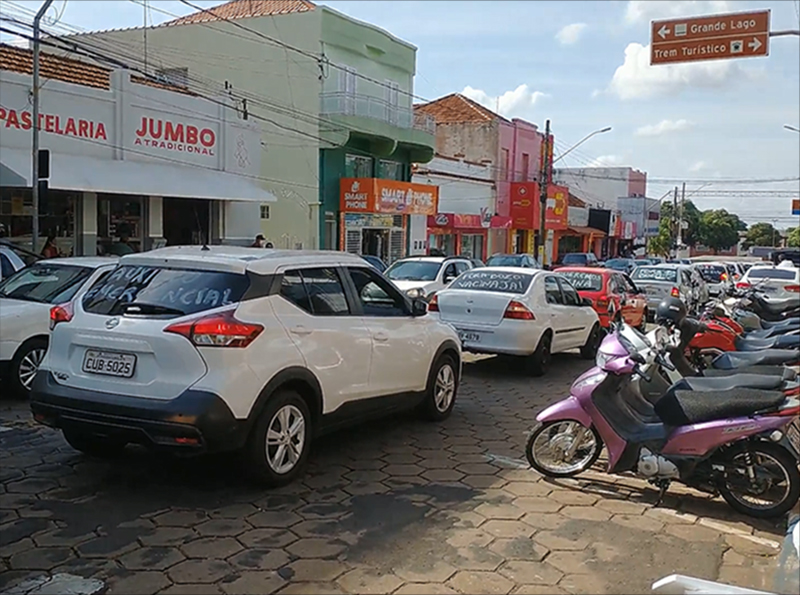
[(86, 239), (155, 223)]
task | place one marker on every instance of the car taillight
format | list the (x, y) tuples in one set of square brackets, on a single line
[(723, 277), (217, 330), (61, 313), (603, 302), (433, 304), (742, 285), (518, 311), (792, 288), (675, 292)]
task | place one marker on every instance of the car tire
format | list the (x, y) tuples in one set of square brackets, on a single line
[(539, 360), (589, 350), (441, 390), (268, 458), (94, 446), (24, 366)]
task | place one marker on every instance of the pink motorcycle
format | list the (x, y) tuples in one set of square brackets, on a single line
[(732, 443)]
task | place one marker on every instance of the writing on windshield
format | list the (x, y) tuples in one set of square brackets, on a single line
[(493, 281), (655, 274), (584, 281)]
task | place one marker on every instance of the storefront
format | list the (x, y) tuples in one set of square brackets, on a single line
[(462, 234), (128, 162), (525, 217), (374, 215)]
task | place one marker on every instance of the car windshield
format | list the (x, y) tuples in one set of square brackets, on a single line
[(584, 281), (618, 264), (711, 273), (45, 283), (152, 290), (413, 270), (504, 260), (483, 280), (574, 259), (783, 274), (655, 274)]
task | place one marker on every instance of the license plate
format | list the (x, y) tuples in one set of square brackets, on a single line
[(768, 289), (109, 363), (469, 337), (793, 434)]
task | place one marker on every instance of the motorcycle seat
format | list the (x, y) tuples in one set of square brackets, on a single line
[(777, 342), (685, 407), (769, 357), (790, 323), (726, 383), (779, 371)]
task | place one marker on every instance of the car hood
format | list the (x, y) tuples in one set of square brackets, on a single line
[(406, 285)]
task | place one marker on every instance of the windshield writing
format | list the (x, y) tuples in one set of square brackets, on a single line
[(493, 281), (655, 274), (584, 281)]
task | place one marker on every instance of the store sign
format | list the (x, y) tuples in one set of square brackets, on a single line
[(53, 124), (175, 136), (468, 221), (359, 220), (524, 209), (373, 195)]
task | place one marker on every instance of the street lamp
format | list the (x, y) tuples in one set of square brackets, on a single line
[(580, 142), (792, 128)]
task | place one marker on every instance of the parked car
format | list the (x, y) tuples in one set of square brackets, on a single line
[(527, 313), (375, 262), (579, 259), (194, 349), (623, 265), (716, 276), (778, 282), (525, 261), (665, 280), (10, 262), (422, 276), (25, 301), (609, 292)]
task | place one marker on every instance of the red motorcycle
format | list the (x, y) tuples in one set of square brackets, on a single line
[(720, 335)]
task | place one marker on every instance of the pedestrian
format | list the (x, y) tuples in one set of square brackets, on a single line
[(122, 246), (259, 242), (50, 249)]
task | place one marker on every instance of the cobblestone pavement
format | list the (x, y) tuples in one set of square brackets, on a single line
[(399, 507)]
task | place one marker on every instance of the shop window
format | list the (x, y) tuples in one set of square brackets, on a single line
[(56, 218), (390, 170), (330, 232), (119, 216), (265, 211), (526, 162), (504, 163), (357, 166)]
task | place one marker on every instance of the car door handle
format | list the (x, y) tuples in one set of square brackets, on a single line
[(382, 337), (300, 330)]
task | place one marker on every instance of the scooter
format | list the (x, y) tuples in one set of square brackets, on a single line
[(779, 310), (716, 312), (736, 446)]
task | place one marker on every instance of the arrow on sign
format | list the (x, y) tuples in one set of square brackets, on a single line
[(663, 32), (755, 44)]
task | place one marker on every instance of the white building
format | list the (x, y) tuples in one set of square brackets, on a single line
[(168, 166)]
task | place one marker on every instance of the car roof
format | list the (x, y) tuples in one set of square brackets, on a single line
[(595, 270), (237, 259), (92, 262), (517, 270)]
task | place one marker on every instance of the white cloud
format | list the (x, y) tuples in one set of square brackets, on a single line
[(663, 127), (637, 79), (638, 11), (698, 166), (510, 104), (571, 33), (607, 161)]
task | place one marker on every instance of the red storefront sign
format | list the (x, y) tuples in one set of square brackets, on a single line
[(454, 221), (391, 197), (164, 134), (525, 206)]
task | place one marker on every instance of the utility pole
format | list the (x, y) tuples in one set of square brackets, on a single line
[(544, 181), (35, 128), (675, 224), (680, 216)]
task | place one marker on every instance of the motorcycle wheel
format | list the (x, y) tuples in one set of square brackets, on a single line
[(775, 471), (549, 444)]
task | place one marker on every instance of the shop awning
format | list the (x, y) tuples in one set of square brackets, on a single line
[(586, 231), (75, 172)]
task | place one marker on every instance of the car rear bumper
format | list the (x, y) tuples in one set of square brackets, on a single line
[(194, 422)]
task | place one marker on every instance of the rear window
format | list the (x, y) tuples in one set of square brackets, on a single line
[(574, 259), (162, 291), (493, 281), (505, 260), (785, 274), (413, 270), (47, 284), (655, 274), (711, 273), (584, 281)]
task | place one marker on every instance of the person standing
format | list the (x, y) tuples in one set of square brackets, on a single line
[(121, 247), (259, 242), (50, 249)]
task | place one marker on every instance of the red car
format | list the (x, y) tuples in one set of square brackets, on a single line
[(606, 288)]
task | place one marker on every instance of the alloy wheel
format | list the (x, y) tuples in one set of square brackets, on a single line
[(286, 439), (445, 388), (29, 365)]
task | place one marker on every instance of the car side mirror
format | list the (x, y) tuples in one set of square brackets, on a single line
[(419, 307)]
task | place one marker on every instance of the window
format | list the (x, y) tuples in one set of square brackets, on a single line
[(478, 280), (413, 270), (655, 274), (450, 272), (317, 291), (265, 211), (174, 76), (585, 281), (571, 297), (526, 162), (630, 285), (504, 163), (390, 170), (357, 166), (46, 284), (461, 267), (552, 291), (6, 269), (377, 297), (575, 259)]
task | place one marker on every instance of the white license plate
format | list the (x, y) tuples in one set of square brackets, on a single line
[(469, 337), (109, 363), (793, 434)]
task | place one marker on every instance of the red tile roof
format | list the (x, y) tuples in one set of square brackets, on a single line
[(68, 70), (244, 9), (457, 108)]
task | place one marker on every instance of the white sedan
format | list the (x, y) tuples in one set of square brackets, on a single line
[(25, 301), (522, 312)]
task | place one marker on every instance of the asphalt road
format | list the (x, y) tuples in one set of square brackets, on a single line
[(399, 506)]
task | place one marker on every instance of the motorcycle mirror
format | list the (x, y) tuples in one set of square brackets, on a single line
[(638, 358)]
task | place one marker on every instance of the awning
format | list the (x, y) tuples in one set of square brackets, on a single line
[(9, 177), (75, 172), (586, 231)]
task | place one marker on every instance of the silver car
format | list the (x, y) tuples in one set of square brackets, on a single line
[(666, 280)]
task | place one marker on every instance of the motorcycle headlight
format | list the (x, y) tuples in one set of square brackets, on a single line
[(602, 359), (416, 292)]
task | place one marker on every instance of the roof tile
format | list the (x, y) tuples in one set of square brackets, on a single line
[(244, 9), (457, 108)]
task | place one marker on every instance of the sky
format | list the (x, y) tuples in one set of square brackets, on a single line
[(584, 65)]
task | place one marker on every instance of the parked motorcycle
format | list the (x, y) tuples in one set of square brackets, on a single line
[(778, 310), (742, 446)]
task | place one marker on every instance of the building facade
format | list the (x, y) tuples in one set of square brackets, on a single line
[(126, 158)]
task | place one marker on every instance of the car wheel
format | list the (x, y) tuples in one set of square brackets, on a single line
[(589, 350), (441, 390), (279, 443), (94, 446), (539, 360), (25, 365)]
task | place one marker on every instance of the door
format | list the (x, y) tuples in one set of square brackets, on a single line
[(335, 342), (636, 298), (400, 350), (557, 315), (576, 325)]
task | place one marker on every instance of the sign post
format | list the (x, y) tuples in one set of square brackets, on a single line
[(715, 37)]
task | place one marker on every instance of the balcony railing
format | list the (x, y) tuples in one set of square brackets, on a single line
[(365, 106)]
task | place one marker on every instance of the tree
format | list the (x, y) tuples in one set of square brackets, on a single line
[(761, 234), (660, 244), (692, 216), (719, 229), (793, 237)]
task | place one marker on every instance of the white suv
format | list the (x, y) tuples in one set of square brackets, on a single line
[(223, 349), (422, 276)]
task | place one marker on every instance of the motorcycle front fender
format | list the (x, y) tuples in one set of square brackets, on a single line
[(568, 409)]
